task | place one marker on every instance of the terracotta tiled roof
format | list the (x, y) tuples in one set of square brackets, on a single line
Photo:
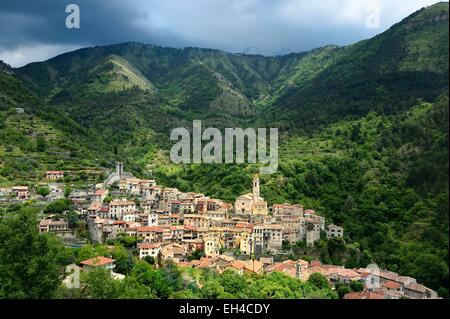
[(97, 261), (146, 229), (391, 284), (363, 295), (205, 262), (237, 264), (100, 192), (148, 246), (121, 203), (416, 287), (253, 265)]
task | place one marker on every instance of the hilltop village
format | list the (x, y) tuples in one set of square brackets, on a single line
[(245, 237)]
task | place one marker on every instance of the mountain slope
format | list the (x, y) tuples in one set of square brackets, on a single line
[(33, 140), (387, 74)]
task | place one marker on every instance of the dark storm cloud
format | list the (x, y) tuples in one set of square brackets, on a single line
[(43, 21), (35, 30)]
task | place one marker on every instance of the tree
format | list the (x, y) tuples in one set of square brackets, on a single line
[(356, 286), (342, 289), (73, 219), (212, 290), (196, 255), (99, 285), (124, 260), (43, 191), (232, 282), (58, 206), (150, 259), (127, 241), (318, 280), (30, 261), (67, 192), (41, 144)]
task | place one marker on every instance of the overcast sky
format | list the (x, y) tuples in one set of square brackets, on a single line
[(35, 30)]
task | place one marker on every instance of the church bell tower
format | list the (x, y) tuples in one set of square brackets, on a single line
[(255, 187)]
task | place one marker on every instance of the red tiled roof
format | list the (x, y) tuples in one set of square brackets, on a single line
[(97, 261), (416, 287), (148, 246), (100, 192), (391, 284), (146, 229), (204, 262), (363, 295), (237, 264)]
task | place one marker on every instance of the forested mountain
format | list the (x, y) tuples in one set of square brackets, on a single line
[(364, 129)]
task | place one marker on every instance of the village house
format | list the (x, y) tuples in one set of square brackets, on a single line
[(147, 249), (334, 231), (100, 195), (112, 228), (295, 269), (118, 207), (291, 227), (211, 246), (167, 196), (287, 210), (54, 226), (253, 267), (175, 252), (54, 175), (164, 221), (98, 262), (147, 206), (152, 194), (102, 211), (21, 192), (195, 220), (222, 261), (135, 186), (342, 275), (130, 216), (236, 266), (267, 261), (150, 234), (266, 238), (177, 233)]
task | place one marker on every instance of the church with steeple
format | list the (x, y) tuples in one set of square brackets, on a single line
[(251, 203)]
